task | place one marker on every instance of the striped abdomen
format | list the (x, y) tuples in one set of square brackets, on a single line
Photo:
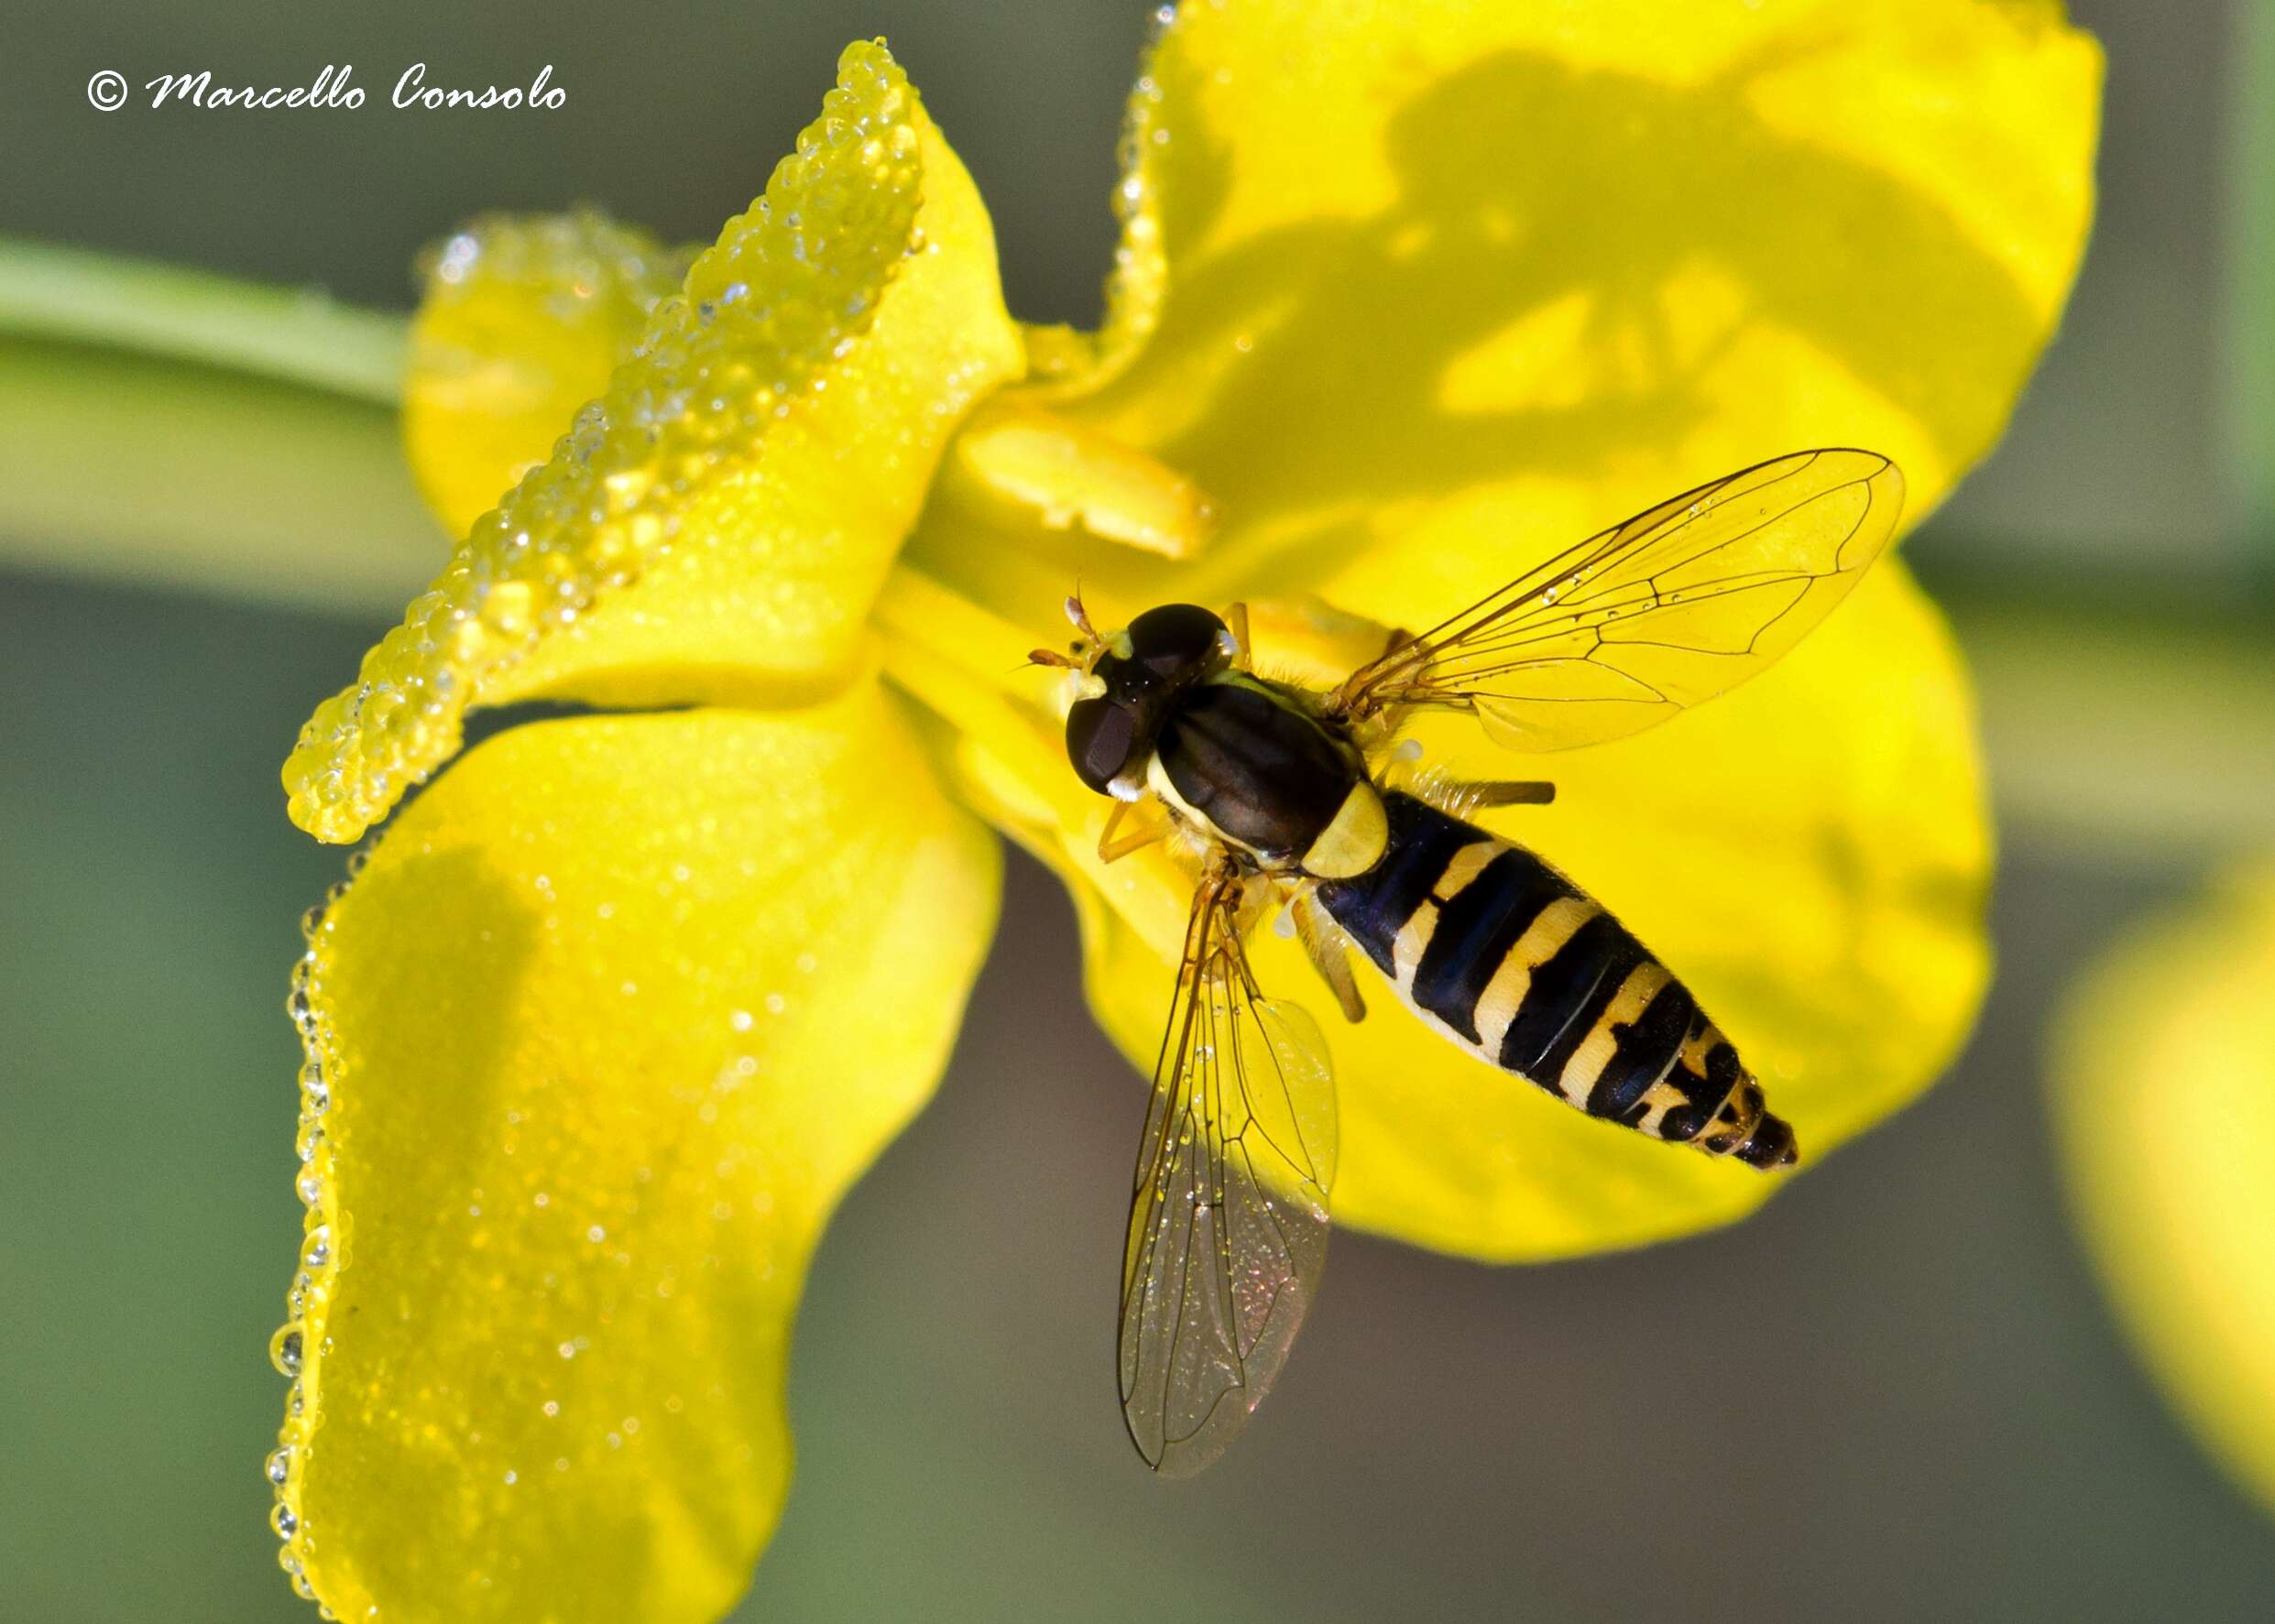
[(1522, 967)]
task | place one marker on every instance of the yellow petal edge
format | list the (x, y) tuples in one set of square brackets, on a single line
[(742, 431), (2163, 1072), (579, 1100)]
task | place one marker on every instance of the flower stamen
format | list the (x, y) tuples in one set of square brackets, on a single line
[(1072, 475)]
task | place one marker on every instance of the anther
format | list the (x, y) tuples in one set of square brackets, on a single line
[(1072, 475)]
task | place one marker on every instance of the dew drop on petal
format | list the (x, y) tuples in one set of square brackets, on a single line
[(284, 1349)]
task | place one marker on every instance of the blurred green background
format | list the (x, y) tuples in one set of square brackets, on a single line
[(1945, 1424)]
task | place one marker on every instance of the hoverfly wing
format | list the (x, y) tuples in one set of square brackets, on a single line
[(1229, 1220), (1680, 602)]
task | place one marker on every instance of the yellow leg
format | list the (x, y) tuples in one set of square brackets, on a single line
[(1153, 824), (1236, 617), (1506, 793), (1328, 953)]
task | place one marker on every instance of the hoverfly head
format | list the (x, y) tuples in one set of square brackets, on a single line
[(1127, 683)]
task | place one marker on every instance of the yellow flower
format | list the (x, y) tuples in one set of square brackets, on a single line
[(2164, 1069), (1409, 296)]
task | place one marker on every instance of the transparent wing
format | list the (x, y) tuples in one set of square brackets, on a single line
[(1674, 606), (1229, 1221)]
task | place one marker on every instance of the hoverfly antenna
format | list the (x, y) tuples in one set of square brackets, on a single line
[(1052, 656), (1079, 616)]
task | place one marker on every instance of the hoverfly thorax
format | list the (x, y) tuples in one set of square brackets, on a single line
[(1126, 684)]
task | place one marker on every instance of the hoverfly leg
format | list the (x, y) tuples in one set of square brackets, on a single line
[(1506, 793), (1329, 955), (1236, 620), (1113, 845)]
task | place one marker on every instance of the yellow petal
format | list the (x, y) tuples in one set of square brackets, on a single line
[(616, 1013), (717, 522), (1436, 270), (522, 321), (2164, 1069), (1809, 853)]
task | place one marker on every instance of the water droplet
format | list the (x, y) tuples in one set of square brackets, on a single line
[(316, 1250), (457, 258), (283, 1520), (280, 1466), (284, 1350)]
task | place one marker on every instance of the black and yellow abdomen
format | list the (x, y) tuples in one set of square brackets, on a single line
[(1520, 966)]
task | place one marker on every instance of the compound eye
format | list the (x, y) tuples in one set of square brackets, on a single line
[(1173, 641), (1100, 736)]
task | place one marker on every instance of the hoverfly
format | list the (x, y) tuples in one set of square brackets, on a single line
[(1277, 791)]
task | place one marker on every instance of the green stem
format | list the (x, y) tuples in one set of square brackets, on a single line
[(300, 336), (2247, 402), (2114, 735), (173, 429)]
